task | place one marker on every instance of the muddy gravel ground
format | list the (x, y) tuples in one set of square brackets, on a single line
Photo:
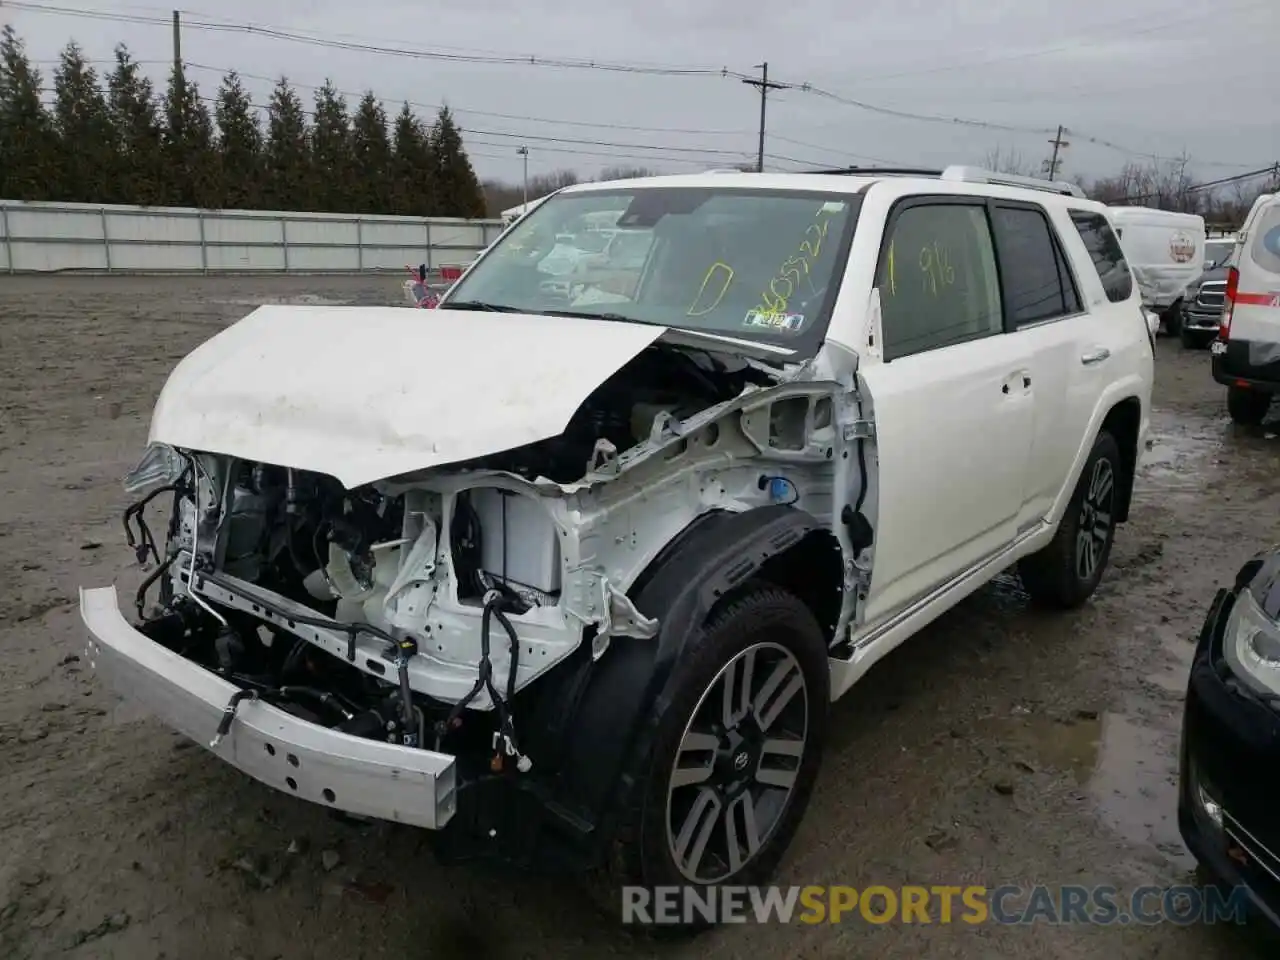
[(1002, 745)]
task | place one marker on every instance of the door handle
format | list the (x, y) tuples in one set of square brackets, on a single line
[(1095, 356), (1026, 382)]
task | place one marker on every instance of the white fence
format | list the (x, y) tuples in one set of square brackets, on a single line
[(45, 237)]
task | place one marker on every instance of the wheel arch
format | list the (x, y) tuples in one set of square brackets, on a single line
[(1124, 422), (626, 692), (1120, 414)]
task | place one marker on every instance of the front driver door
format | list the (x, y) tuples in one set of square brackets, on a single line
[(952, 404)]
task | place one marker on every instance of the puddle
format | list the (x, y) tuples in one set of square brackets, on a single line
[(1126, 770), (1135, 786), (1184, 452)]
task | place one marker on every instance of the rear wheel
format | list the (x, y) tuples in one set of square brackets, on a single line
[(1247, 407), (1065, 573), (1172, 318), (734, 756)]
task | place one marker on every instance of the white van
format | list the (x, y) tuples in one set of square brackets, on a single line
[(1246, 355), (1166, 252)]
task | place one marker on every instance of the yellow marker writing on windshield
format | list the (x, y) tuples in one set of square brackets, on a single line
[(727, 272)]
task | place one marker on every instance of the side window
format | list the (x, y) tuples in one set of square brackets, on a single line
[(1104, 249), (1037, 283), (937, 279), (1264, 249)]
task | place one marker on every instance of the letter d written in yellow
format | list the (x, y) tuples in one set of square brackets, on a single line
[(814, 907)]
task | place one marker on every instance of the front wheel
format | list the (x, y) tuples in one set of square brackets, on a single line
[(1247, 407), (733, 758), (1066, 572)]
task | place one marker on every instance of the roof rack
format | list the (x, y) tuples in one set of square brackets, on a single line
[(880, 171), (965, 174), (962, 174)]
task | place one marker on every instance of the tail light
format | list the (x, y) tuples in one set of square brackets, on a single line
[(1229, 302)]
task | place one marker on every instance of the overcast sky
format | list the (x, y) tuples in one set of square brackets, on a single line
[(1147, 76)]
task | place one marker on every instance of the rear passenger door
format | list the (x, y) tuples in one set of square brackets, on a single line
[(953, 412), (1043, 310)]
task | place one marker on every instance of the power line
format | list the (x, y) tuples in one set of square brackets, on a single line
[(1269, 170), (577, 63), (479, 113), (1089, 39), (417, 53)]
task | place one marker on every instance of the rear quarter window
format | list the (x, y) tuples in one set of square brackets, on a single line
[(1264, 247), (1104, 250)]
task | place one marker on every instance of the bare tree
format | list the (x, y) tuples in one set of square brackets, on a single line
[(626, 173), (1008, 161)]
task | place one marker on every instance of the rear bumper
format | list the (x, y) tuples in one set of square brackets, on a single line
[(1249, 364), (336, 770)]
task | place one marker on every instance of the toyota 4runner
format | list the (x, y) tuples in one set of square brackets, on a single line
[(570, 568)]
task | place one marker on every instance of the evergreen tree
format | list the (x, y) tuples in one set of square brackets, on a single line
[(331, 152), (28, 146), (88, 156), (190, 158), (371, 155), (131, 105), (458, 192), (412, 177), (288, 151), (239, 146)]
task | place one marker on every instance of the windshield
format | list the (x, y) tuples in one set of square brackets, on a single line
[(1216, 251), (755, 264)]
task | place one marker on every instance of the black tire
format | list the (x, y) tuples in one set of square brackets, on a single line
[(1247, 407), (782, 632), (1058, 575), (1173, 320)]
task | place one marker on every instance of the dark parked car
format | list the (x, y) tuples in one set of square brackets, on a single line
[(1230, 757), (1204, 300), (1202, 308)]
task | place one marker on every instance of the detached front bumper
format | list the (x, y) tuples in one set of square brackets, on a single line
[(336, 770)]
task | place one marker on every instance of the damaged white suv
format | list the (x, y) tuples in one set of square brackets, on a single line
[(571, 567)]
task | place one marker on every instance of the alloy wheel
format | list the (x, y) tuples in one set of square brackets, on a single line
[(737, 763), (1096, 512)]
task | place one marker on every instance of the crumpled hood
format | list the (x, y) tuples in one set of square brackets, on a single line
[(365, 393)]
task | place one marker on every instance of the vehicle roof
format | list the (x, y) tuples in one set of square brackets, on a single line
[(1153, 213), (839, 183)]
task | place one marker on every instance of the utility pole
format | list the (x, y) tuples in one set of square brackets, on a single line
[(1058, 144), (765, 86), (177, 40), (524, 152)]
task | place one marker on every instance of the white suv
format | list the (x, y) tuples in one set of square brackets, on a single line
[(575, 571)]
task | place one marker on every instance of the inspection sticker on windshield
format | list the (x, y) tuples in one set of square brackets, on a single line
[(773, 320)]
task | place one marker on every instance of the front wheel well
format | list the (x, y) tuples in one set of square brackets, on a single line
[(813, 571), (1123, 422)]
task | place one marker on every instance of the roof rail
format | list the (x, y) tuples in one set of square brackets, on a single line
[(880, 171), (965, 174)]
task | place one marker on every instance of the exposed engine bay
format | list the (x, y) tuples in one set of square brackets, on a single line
[(417, 609)]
